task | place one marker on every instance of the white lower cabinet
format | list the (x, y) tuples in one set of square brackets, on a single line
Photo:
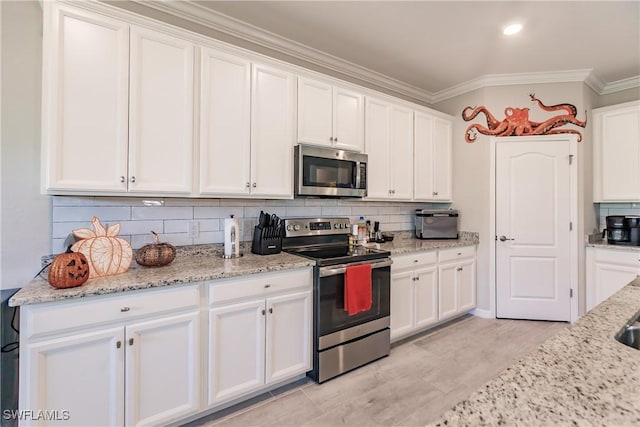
[(130, 360), (259, 333), (608, 271), (456, 281), (414, 293)]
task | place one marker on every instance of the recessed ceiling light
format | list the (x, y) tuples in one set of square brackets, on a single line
[(512, 29)]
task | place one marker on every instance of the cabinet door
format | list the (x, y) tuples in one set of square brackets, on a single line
[(85, 101), (272, 132), (288, 336), (236, 350), (617, 152), (82, 374), (607, 279), (442, 160), (424, 178), (315, 117), (466, 283), (348, 120), (225, 93), (161, 116), (447, 291), (377, 148), (163, 369), (426, 296), (401, 152), (402, 305)]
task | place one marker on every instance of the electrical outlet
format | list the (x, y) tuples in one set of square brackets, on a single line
[(194, 230)]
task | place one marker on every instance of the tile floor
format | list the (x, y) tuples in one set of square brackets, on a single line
[(421, 378)]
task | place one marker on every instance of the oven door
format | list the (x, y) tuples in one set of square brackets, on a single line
[(333, 323)]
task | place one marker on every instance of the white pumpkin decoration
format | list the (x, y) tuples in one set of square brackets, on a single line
[(107, 254)]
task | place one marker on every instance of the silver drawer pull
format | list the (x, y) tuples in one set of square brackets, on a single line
[(125, 309), (267, 286)]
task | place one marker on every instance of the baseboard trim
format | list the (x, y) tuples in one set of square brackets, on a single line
[(485, 314)]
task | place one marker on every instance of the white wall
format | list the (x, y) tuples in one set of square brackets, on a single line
[(25, 216), (472, 162)]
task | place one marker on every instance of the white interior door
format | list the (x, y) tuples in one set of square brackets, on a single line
[(533, 229)]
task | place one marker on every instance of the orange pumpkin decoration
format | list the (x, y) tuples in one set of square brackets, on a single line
[(107, 254), (68, 270)]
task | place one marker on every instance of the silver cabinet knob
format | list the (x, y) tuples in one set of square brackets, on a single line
[(125, 309), (248, 185), (254, 185), (331, 138), (133, 179), (335, 139), (122, 178)]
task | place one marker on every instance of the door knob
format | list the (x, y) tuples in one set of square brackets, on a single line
[(504, 239)]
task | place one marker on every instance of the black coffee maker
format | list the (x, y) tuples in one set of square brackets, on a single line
[(622, 230)]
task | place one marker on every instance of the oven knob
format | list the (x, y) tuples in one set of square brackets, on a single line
[(346, 225), (336, 226), (296, 227), (289, 227)]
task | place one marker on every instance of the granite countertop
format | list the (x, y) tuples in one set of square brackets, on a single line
[(404, 242), (192, 264), (204, 262), (604, 244), (581, 376)]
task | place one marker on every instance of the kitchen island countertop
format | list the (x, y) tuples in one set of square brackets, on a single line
[(581, 376)]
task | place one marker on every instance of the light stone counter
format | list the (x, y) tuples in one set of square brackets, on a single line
[(404, 242), (582, 376), (204, 262), (192, 264), (605, 245)]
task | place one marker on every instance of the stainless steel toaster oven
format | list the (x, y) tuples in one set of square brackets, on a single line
[(436, 224)]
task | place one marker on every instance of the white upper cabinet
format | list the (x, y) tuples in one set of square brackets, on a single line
[(273, 119), (330, 116), (616, 153), (118, 106), (389, 146), (433, 158), (225, 117), (161, 115), (247, 128), (85, 100)]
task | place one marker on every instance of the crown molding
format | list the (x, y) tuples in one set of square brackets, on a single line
[(209, 18), (212, 19), (624, 84), (489, 80)]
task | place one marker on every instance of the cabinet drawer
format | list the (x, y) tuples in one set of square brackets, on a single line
[(454, 254), (614, 256), (417, 259), (58, 316), (258, 285)]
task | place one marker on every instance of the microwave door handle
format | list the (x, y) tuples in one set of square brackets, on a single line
[(357, 175), (334, 270)]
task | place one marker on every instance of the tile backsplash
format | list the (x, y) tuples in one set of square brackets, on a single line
[(174, 218), (605, 209)]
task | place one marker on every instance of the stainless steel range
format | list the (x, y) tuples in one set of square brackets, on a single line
[(342, 342)]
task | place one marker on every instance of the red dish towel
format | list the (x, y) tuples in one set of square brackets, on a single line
[(357, 289)]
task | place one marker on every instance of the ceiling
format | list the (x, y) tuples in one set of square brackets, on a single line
[(435, 46)]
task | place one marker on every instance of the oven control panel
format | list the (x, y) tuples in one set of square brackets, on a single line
[(296, 227)]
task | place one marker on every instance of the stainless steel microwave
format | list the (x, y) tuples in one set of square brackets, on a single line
[(328, 172)]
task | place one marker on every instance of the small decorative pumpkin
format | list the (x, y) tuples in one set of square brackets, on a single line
[(107, 254), (156, 254), (68, 270)]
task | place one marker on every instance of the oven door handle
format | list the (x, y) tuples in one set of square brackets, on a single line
[(334, 270)]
